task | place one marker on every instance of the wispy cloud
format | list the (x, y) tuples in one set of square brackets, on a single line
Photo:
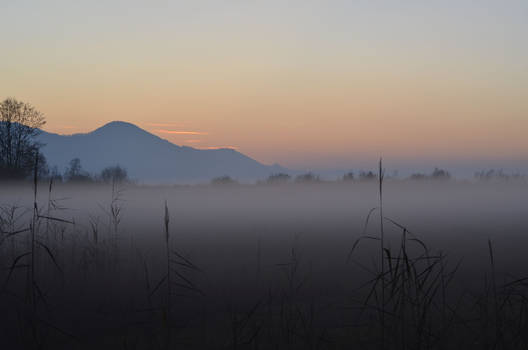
[(219, 147), (64, 129), (193, 141), (164, 125), (180, 132)]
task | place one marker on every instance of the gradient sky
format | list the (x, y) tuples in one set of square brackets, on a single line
[(303, 83)]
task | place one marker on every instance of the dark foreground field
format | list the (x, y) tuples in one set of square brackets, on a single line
[(265, 267)]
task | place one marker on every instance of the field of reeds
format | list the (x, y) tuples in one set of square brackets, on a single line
[(364, 265)]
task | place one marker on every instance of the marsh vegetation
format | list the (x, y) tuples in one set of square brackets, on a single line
[(286, 265)]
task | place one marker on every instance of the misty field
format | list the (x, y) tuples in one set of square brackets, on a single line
[(293, 266)]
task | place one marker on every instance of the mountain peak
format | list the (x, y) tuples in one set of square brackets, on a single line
[(119, 129), (146, 156), (118, 124)]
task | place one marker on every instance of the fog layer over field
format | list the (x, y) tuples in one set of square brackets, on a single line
[(244, 239), (234, 217)]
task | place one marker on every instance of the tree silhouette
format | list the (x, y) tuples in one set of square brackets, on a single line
[(19, 124), (223, 180), (349, 176), (307, 178), (278, 178), (436, 174), (75, 171), (440, 174), (114, 174), (367, 176)]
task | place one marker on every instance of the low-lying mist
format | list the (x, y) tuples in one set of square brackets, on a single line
[(289, 266)]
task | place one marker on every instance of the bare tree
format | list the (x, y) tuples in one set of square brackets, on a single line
[(223, 180), (349, 176), (75, 172), (19, 124), (279, 178), (113, 174), (307, 178)]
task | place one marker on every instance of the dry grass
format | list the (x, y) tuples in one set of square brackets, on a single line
[(62, 288)]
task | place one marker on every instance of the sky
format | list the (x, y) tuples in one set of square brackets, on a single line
[(306, 84)]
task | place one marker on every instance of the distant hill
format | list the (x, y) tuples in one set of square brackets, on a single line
[(148, 157)]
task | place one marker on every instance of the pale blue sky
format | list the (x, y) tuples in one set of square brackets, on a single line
[(298, 82)]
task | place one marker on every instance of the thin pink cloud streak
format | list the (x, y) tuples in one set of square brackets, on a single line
[(177, 132), (219, 147), (164, 124)]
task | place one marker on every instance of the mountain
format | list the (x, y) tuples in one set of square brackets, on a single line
[(148, 157)]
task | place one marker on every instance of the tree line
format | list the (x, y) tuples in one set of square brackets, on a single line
[(75, 173), (20, 123), (20, 155), (310, 177)]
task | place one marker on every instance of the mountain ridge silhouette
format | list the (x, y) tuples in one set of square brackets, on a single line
[(148, 157)]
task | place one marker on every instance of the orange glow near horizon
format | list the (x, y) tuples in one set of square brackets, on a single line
[(176, 132), (316, 86)]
